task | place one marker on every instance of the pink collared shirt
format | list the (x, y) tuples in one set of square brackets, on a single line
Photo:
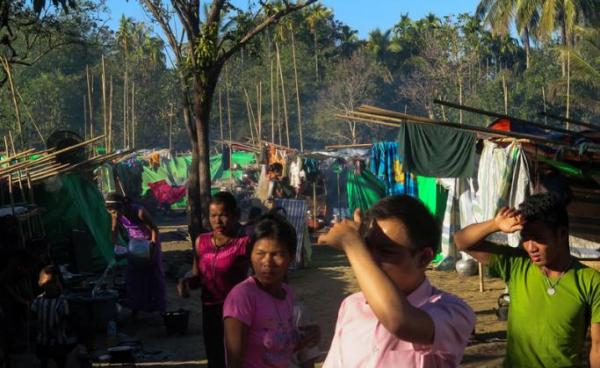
[(361, 341)]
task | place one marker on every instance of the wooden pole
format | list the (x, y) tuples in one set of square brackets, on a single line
[(220, 116), (90, 92), (567, 115), (505, 89), (110, 116), (315, 203), (284, 99), (227, 101), (14, 99), (572, 121), (249, 113), (481, 283), (85, 118), (259, 109), (104, 110), (544, 101), (393, 119), (125, 111), (171, 114), (298, 107), (272, 106), (503, 116), (133, 130)]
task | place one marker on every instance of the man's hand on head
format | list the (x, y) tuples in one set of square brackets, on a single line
[(344, 233), (509, 220)]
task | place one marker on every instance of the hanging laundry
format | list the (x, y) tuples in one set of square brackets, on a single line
[(364, 189), (433, 195), (296, 173), (386, 164), (437, 151), (167, 194), (503, 179)]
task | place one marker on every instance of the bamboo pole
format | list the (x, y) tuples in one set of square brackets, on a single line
[(171, 114), (341, 146), (90, 92), (11, 86), (220, 119), (21, 188), (50, 156), (28, 112), (133, 130), (544, 101), (18, 155), (572, 121), (393, 119), (104, 109), (110, 116), (250, 114), (481, 282), (503, 116), (259, 109), (567, 115), (85, 118), (505, 89), (284, 99), (125, 110), (299, 113), (272, 105)]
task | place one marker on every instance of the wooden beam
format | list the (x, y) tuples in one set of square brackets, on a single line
[(572, 121), (504, 116)]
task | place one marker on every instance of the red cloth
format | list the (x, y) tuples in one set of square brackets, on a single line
[(165, 193)]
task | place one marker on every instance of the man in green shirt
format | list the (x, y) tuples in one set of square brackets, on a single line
[(553, 297)]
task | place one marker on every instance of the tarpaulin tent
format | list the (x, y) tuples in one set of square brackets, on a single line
[(72, 202)]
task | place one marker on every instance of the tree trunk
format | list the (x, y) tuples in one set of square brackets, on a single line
[(526, 45), (199, 182)]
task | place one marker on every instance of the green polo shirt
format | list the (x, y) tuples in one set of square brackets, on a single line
[(547, 330)]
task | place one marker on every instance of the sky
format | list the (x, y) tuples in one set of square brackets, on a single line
[(362, 15)]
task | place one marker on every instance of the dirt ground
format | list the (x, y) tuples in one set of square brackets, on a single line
[(321, 287)]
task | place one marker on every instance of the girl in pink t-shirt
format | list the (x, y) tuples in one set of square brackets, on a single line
[(220, 263), (258, 313)]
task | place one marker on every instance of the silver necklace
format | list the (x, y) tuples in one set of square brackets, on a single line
[(551, 290)]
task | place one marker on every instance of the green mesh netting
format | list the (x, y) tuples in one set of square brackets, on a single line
[(72, 202)]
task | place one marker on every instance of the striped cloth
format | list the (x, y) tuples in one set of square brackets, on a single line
[(51, 319), (295, 210)]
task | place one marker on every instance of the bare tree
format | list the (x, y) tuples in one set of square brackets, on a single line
[(353, 82)]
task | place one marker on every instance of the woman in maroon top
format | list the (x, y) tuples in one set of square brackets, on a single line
[(221, 262)]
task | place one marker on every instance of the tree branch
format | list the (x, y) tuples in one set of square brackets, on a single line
[(289, 8), (163, 22)]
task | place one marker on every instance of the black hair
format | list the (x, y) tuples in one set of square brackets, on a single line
[(227, 200), (423, 229), (114, 199), (274, 226), (546, 207)]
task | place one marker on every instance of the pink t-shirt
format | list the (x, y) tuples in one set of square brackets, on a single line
[(221, 268), (361, 341), (272, 335)]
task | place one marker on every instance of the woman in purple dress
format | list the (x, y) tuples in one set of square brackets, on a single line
[(145, 280)]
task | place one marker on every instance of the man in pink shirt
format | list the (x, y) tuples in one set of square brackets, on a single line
[(398, 319)]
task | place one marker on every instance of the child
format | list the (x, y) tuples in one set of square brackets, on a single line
[(259, 312), (221, 262), (51, 309), (145, 282), (398, 319)]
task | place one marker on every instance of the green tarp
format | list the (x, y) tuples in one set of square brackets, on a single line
[(363, 190), (72, 202)]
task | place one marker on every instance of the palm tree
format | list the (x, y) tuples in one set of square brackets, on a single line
[(315, 14)]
